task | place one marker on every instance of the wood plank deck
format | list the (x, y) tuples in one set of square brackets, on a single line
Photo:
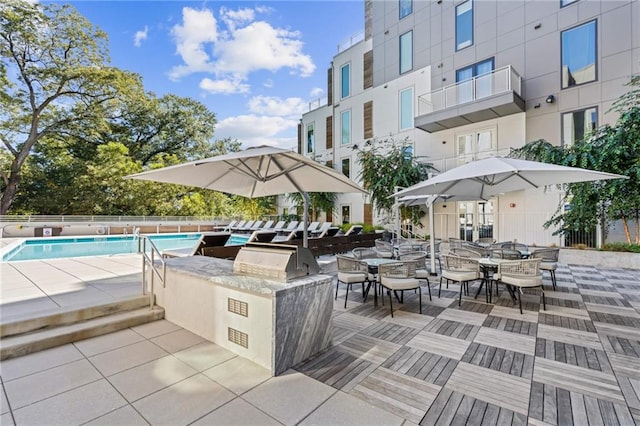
[(575, 363)]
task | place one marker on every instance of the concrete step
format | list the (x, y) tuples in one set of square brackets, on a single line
[(48, 337), (54, 318)]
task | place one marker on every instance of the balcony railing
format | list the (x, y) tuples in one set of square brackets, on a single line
[(502, 80), (350, 41), (317, 103)]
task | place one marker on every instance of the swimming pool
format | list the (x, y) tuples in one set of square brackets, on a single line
[(52, 248)]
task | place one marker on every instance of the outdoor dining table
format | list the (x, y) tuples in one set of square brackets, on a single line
[(489, 266), (373, 264)]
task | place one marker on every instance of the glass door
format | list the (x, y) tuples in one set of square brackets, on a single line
[(475, 219)]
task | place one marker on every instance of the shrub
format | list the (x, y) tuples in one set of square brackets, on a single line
[(625, 247)]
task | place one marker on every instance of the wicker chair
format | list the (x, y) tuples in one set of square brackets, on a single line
[(467, 252), (507, 254), (521, 274), (365, 253), (384, 249), (461, 270), (399, 276), (422, 272), (549, 263), (352, 271)]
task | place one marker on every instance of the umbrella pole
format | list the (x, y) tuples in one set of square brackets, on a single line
[(432, 241), (305, 217)]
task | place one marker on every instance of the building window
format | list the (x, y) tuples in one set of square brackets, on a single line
[(345, 126), (579, 55), (406, 8), (346, 214), (475, 146), (406, 109), (464, 25), (564, 3), (346, 167), (578, 124), (480, 87), (310, 138), (345, 81), (406, 52)]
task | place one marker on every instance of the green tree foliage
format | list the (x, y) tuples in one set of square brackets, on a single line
[(612, 148), (318, 202), (386, 165), (56, 75)]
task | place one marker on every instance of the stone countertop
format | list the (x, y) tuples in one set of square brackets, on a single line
[(220, 272)]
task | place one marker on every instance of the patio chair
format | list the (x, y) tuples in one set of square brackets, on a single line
[(279, 226), (461, 270), (365, 253), (399, 276), (246, 228), (549, 263), (352, 271), (238, 225), (320, 229), (455, 242), (296, 234), (503, 253), (485, 240), (210, 239), (436, 252), (516, 246), (384, 249), (422, 271), (467, 252), (524, 273)]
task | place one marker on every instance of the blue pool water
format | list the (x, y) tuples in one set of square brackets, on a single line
[(51, 248)]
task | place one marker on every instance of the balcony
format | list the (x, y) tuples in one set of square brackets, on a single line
[(491, 95)]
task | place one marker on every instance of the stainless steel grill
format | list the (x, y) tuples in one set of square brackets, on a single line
[(277, 262)]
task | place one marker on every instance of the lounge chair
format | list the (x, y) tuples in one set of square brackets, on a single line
[(328, 232), (296, 234), (354, 230), (237, 226), (279, 226), (227, 227), (256, 225), (292, 226), (268, 225), (262, 236), (246, 228), (213, 239)]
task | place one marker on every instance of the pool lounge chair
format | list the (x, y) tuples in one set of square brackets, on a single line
[(268, 225), (354, 230), (292, 226), (237, 226), (262, 236), (296, 234), (212, 239), (246, 228), (328, 232), (279, 226)]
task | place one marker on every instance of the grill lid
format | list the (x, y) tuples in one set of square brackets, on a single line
[(278, 262)]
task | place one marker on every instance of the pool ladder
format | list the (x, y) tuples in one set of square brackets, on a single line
[(149, 260)]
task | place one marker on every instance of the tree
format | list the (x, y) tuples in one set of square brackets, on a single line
[(611, 149), (318, 202), (60, 79), (387, 165)]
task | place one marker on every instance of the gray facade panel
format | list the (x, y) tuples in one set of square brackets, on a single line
[(615, 28), (511, 20), (616, 66), (542, 56)]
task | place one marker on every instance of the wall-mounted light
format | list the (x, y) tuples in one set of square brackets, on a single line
[(439, 1), (550, 99), (537, 27), (386, 32), (444, 78), (354, 147), (444, 142)]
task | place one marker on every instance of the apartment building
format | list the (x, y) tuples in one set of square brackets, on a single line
[(465, 79)]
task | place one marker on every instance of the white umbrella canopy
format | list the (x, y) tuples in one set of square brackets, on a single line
[(256, 172), (482, 179)]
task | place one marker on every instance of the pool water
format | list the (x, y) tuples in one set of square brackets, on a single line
[(52, 248)]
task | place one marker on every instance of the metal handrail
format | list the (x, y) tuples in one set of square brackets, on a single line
[(150, 259)]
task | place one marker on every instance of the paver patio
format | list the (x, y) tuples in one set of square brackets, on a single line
[(578, 363)]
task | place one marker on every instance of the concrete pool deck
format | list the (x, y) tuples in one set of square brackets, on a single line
[(577, 361)]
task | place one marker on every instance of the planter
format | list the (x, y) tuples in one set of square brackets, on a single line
[(608, 259)]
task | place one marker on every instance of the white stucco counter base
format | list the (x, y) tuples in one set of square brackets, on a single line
[(276, 325)]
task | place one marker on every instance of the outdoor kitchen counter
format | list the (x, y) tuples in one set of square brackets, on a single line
[(274, 324)]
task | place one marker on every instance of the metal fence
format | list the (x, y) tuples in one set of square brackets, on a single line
[(117, 219)]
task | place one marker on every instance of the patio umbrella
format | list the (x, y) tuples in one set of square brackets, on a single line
[(482, 179), (257, 172)]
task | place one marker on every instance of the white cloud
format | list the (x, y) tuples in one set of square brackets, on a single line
[(254, 130), (140, 36), (198, 28), (316, 92), (268, 83), (261, 46), (236, 45), (275, 106), (223, 87)]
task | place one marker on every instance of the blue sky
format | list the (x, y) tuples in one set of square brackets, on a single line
[(256, 65)]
